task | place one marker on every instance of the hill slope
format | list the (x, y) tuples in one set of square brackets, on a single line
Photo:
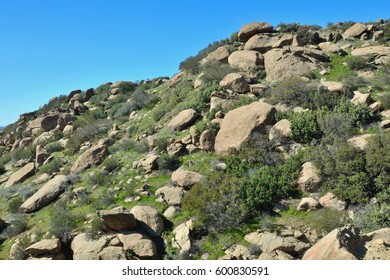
[(271, 144)]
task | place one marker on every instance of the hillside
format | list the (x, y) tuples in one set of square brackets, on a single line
[(271, 144)]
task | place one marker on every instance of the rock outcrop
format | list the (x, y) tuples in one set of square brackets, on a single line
[(149, 219), (118, 219), (22, 174), (183, 120), (253, 28), (92, 156)]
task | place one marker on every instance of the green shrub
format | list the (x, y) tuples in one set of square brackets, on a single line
[(304, 127), (168, 163), (361, 114), (54, 147), (95, 229), (111, 164), (357, 62), (14, 204), (335, 126), (54, 104), (62, 221), (215, 72), (51, 167), (97, 178), (384, 98), (18, 224), (293, 92)]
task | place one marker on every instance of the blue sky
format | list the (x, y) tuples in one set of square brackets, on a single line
[(51, 47)]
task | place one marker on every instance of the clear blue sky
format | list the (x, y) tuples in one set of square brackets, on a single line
[(50, 47)]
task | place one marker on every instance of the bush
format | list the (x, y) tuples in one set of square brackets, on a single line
[(293, 92), (62, 221), (2, 169), (51, 167), (335, 126), (95, 229), (215, 72), (18, 224), (111, 164), (97, 178), (384, 98), (168, 163), (304, 127), (357, 62), (14, 205), (54, 147), (360, 114)]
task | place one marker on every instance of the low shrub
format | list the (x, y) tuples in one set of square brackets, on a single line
[(168, 163), (215, 72), (304, 127), (62, 221), (357, 62)]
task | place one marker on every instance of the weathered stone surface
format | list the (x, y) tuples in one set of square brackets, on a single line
[(22, 174), (239, 125), (90, 157), (360, 141), (118, 219), (149, 162), (43, 138), (376, 245), (171, 195), (386, 114), (176, 79), (88, 94), (280, 130), (337, 245), (222, 100), (183, 120), (41, 154), (182, 239), (253, 28), (285, 40), (46, 194), (261, 43), (333, 86), (361, 98), (138, 244), (330, 47), (235, 82), (207, 141), (329, 200), (281, 65), (85, 248), (45, 246), (376, 106), (112, 253), (175, 149), (308, 204), (237, 252), (309, 179), (246, 60), (149, 219), (185, 179), (219, 55), (199, 81), (373, 50), (355, 31)]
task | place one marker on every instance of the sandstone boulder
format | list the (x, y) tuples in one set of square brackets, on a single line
[(88, 94), (22, 174), (361, 98), (207, 141), (149, 219), (329, 200), (360, 141), (235, 82), (112, 253), (185, 179), (219, 55), (239, 125), (253, 28), (85, 248), (337, 245), (333, 86), (171, 195), (261, 43), (309, 179), (45, 246), (41, 154), (176, 149), (118, 219), (183, 120), (176, 79), (199, 81), (355, 31), (90, 157), (245, 60), (308, 204), (330, 47), (280, 130), (285, 40), (373, 50), (182, 239), (138, 244), (376, 245), (46, 194)]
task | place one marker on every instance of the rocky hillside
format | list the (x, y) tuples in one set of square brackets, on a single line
[(272, 144)]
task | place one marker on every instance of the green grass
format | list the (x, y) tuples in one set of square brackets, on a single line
[(338, 71)]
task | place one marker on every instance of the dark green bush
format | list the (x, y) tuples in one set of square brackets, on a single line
[(304, 127), (62, 221), (168, 163), (111, 164), (360, 114), (54, 147), (215, 72), (384, 98), (357, 62), (18, 224), (293, 92), (335, 126)]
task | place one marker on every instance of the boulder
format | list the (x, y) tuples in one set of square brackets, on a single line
[(176, 149), (182, 239), (90, 157), (333, 86), (329, 200), (361, 98), (72, 94), (308, 204), (376, 106), (285, 40), (309, 179), (207, 141), (199, 81), (45, 246), (41, 154), (112, 253), (376, 245), (219, 55), (118, 219), (149, 162), (85, 248), (239, 125), (171, 195), (68, 130), (222, 100), (245, 60), (373, 50), (281, 64), (280, 130), (49, 122), (149, 219), (355, 31), (337, 245), (185, 179), (88, 94), (238, 252), (46, 194), (43, 138), (360, 141), (235, 82), (138, 244), (261, 43), (176, 79), (330, 47), (170, 212), (253, 28), (385, 114), (22, 174), (385, 124), (183, 120)]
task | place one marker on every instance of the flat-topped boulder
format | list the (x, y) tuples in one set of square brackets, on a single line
[(185, 179), (261, 42), (118, 219), (183, 120), (138, 244), (45, 246), (246, 60), (355, 31), (253, 28), (22, 174), (235, 82), (149, 219)]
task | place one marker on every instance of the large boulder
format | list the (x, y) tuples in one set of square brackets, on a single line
[(182, 239), (373, 50), (90, 157), (118, 219), (138, 244), (308, 204), (207, 141), (85, 248), (177, 78), (239, 125), (219, 55), (355, 31), (235, 82), (246, 60), (329, 200), (22, 174), (149, 219), (261, 43), (185, 179), (171, 195), (281, 130), (183, 120), (112, 253), (337, 245), (285, 40), (45, 246), (281, 64), (46, 194), (330, 47), (46, 123), (309, 179), (41, 154), (253, 28)]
